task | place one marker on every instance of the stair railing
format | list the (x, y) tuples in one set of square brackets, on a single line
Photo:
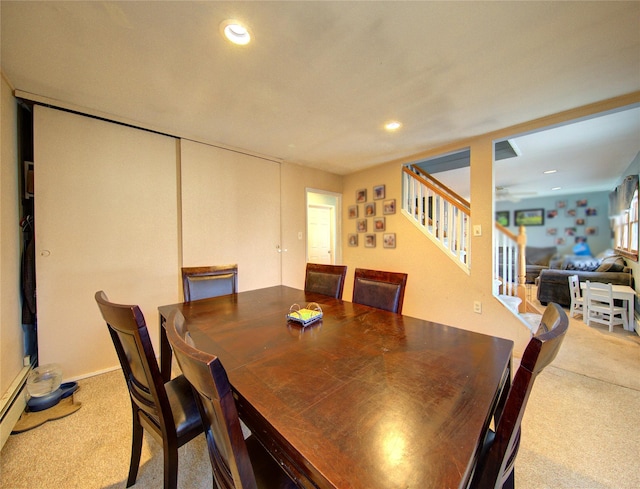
[(509, 272), (441, 214)]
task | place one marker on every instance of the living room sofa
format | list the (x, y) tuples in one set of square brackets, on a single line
[(553, 282), (536, 259)]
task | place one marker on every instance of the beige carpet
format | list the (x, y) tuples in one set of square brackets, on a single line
[(580, 431)]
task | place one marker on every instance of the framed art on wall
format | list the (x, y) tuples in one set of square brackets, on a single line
[(529, 217), (369, 240), (502, 218), (389, 206), (378, 192), (389, 240), (353, 211)]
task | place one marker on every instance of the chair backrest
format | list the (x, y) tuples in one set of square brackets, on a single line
[(551, 317), (375, 288), (133, 345), (495, 465), (205, 282), (325, 279), (574, 286), (227, 449), (599, 292)]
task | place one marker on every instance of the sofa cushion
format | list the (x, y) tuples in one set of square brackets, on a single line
[(540, 256), (614, 263)]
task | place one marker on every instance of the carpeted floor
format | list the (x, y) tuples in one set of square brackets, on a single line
[(580, 430)]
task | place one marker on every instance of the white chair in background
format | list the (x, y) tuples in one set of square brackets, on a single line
[(577, 301), (601, 308)]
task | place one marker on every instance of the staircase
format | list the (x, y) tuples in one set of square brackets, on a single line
[(444, 217)]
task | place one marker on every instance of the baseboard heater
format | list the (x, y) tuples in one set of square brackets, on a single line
[(12, 404)]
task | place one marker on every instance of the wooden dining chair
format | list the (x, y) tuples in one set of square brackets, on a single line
[(166, 411), (325, 279), (236, 462), (212, 281), (495, 468), (375, 288), (577, 301), (601, 307)]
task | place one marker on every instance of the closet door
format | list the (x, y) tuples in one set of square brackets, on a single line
[(231, 212), (106, 219)]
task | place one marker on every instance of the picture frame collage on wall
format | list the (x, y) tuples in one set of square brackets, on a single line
[(370, 218), (579, 215)]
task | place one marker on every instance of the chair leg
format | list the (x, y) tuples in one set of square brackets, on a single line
[(170, 450), (510, 482), (136, 448)]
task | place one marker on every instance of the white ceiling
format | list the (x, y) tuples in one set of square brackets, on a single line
[(321, 78)]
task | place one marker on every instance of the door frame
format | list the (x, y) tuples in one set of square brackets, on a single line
[(318, 197)]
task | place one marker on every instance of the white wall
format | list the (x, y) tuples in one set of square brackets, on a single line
[(295, 180), (11, 342)]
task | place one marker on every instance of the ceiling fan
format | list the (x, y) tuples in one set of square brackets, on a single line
[(503, 193)]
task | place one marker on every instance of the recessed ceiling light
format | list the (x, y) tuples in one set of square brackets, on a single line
[(235, 32), (556, 188), (392, 125), (549, 172)]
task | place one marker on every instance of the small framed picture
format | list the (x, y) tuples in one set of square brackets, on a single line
[(353, 212), (353, 239), (581, 203), (361, 225), (378, 224), (551, 213), (369, 240), (552, 231), (591, 211), (570, 213), (389, 206), (378, 192), (570, 231), (502, 218), (591, 231), (389, 240), (370, 209), (561, 204), (560, 241), (361, 195), (580, 221)]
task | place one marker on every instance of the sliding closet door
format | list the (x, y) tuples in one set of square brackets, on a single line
[(106, 219), (231, 212)]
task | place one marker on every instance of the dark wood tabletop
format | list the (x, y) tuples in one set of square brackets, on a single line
[(364, 398)]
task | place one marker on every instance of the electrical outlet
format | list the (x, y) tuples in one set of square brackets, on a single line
[(477, 307)]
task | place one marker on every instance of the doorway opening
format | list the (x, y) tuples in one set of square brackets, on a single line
[(324, 210)]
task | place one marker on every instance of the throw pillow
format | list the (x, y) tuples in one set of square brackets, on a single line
[(612, 264), (585, 264)]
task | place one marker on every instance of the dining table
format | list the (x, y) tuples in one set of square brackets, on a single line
[(362, 398)]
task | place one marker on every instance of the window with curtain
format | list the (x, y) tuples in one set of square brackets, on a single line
[(623, 203)]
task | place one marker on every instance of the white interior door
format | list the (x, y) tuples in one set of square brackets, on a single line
[(106, 218), (320, 234), (231, 213)]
